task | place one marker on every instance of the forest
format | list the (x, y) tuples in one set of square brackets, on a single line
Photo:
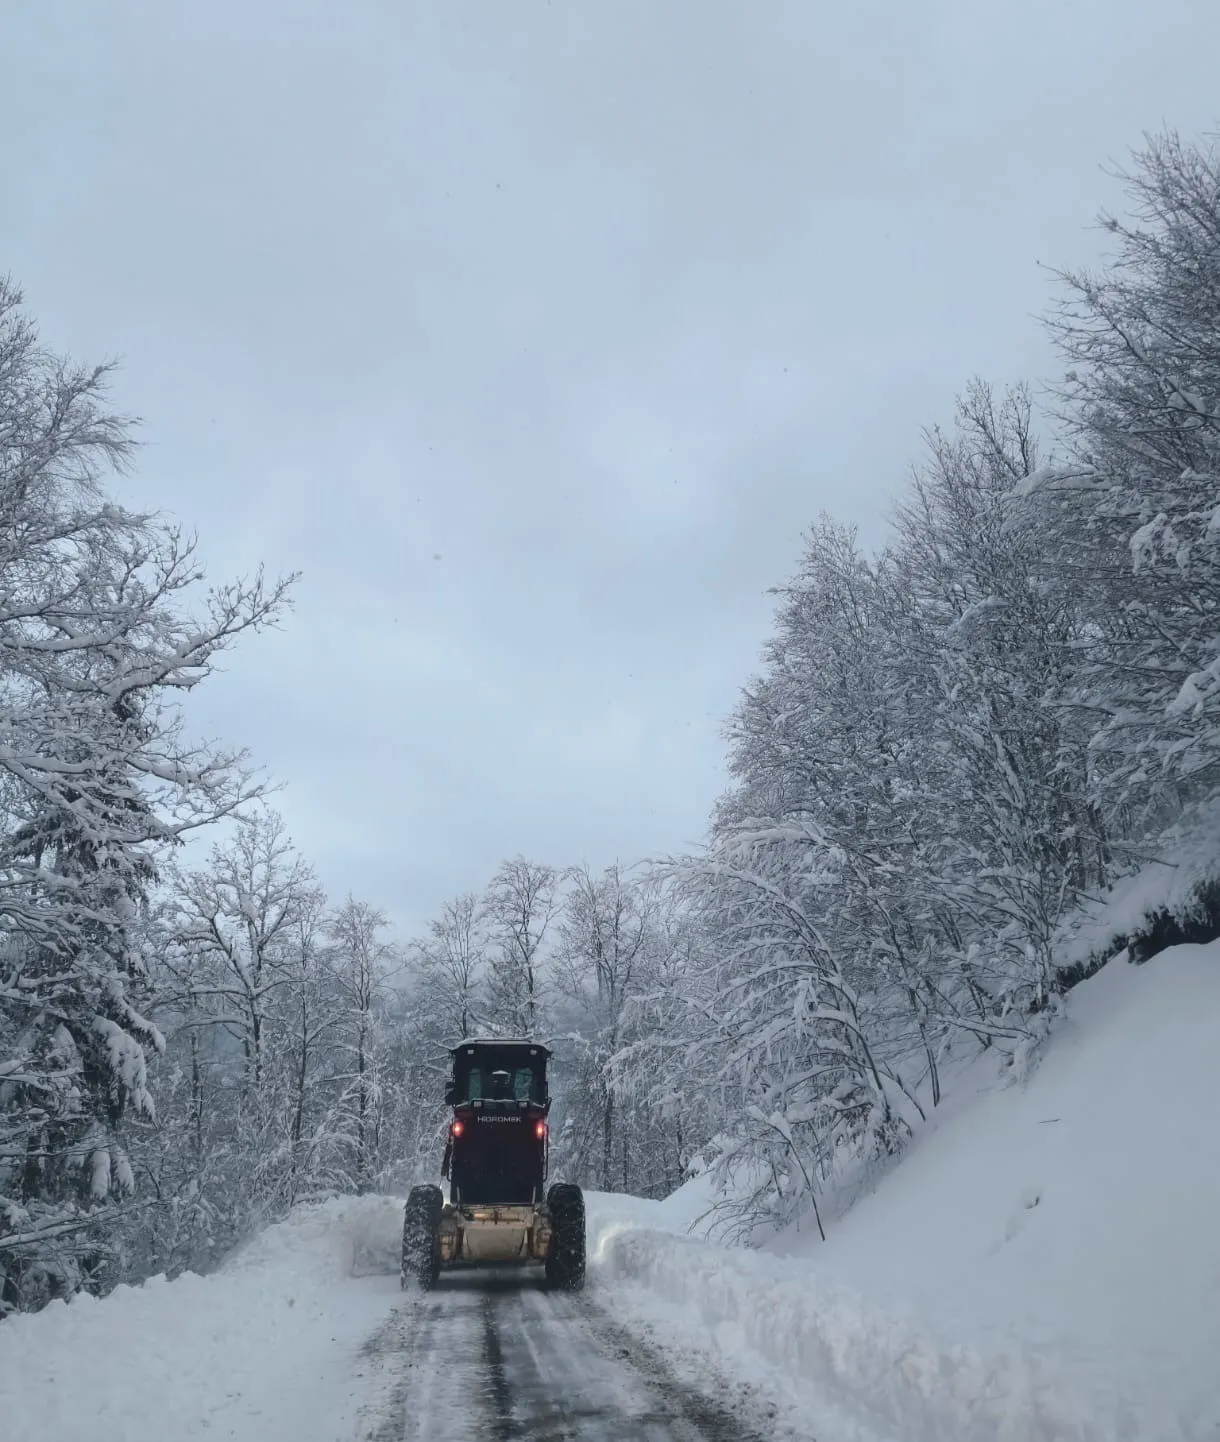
[(956, 751)]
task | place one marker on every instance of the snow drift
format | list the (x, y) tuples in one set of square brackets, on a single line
[(847, 1368)]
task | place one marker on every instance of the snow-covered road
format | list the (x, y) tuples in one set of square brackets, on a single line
[(491, 1356)]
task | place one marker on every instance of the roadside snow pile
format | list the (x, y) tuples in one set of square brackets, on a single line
[(1064, 1231), (846, 1369), (607, 1212), (363, 1236), (350, 1236), (263, 1349)]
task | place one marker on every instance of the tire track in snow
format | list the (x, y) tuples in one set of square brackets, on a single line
[(492, 1357), (430, 1361)]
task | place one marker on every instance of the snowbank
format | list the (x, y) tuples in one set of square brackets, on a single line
[(265, 1348), (846, 1369), (1065, 1230)]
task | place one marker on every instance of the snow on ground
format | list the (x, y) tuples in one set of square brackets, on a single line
[(841, 1369), (1078, 1213), (1042, 1266), (1044, 1263), (267, 1348)]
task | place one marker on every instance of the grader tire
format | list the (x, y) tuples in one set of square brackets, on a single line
[(565, 1262), (421, 1242)]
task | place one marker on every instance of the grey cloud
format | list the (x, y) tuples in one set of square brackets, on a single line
[(602, 304)]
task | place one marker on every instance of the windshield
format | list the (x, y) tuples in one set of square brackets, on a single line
[(481, 1083)]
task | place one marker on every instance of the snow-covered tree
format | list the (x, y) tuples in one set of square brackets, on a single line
[(909, 820), (990, 642), (98, 647), (518, 907), (360, 962), (1131, 520), (307, 1019), (450, 964), (240, 918), (602, 953)]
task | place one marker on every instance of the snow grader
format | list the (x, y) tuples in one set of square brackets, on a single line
[(495, 1162)]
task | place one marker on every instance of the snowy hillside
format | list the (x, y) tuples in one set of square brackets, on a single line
[(1064, 1230), (1079, 1212)]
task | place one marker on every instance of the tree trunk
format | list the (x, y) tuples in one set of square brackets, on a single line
[(607, 1139), (298, 1114), (196, 1114), (362, 1161)]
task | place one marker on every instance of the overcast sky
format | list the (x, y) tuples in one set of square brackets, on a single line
[(535, 334)]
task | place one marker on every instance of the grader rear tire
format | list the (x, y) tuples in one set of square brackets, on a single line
[(421, 1242), (565, 1262)]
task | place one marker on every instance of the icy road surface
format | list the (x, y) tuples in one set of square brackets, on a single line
[(491, 1356)]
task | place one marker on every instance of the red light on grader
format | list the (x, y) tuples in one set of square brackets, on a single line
[(540, 1131), (456, 1129)]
